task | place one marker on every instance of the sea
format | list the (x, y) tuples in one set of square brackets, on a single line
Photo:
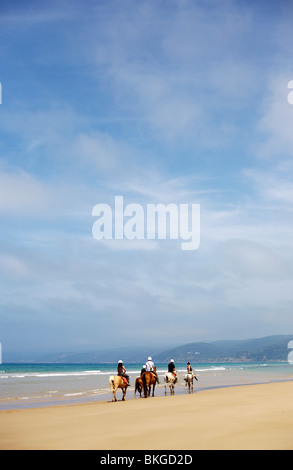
[(42, 385)]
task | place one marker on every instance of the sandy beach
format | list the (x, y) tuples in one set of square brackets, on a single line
[(246, 417)]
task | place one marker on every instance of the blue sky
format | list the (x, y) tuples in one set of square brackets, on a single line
[(178, 101)]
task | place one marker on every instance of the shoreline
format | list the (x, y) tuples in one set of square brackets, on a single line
[(37, 386), (106, 397), (250, 416)]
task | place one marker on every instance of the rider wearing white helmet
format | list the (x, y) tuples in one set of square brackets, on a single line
[(150, 367), (172, 369)]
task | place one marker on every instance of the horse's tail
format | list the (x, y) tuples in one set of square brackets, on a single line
[(111, 382), (144, 385), (137, 387)]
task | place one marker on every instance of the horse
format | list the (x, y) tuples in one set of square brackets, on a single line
[(189, 382), (116, 382), (138, 386), (149, 379), (170, 379)]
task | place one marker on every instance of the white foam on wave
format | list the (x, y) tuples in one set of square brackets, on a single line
[(52, 374)]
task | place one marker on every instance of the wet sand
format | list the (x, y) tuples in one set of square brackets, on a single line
[(245, 417)]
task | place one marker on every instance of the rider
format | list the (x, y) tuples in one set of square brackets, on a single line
[(172, 368), (189, 368), (143, 369), (122, 372), (150, 367), (190, 371)]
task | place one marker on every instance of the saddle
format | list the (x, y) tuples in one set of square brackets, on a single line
[(149, 372), (124, 379)]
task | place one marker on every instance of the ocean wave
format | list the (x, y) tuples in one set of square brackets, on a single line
[(53, 374)]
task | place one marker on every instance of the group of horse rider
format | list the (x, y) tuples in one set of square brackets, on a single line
[(150, 367)]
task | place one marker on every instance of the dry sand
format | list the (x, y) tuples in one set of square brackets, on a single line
[(246, 417)]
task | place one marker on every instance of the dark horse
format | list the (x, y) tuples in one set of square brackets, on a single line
[(138, 386), (149, 379)]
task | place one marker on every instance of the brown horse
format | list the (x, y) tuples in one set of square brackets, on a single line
[(149, 379), (116, 382), (138, 386)]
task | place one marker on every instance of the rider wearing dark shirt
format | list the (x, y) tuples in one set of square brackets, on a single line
[(121, 371), (171, 366), (172, 369)]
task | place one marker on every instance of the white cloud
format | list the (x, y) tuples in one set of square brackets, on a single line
[(274, 186), (22, 194), (250, 260), (174, 93), (13, 268), (171, 70), (277, 121)]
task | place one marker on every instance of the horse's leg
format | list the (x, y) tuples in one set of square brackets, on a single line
[(145, 390)]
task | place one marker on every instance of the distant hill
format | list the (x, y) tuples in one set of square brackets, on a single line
[(128, 355), (270, 348)]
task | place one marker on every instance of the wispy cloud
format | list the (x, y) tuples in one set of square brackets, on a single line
[(277, 120), (179, 103)]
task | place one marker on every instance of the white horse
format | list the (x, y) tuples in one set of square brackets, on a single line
[(171, 380), (189, 382)]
